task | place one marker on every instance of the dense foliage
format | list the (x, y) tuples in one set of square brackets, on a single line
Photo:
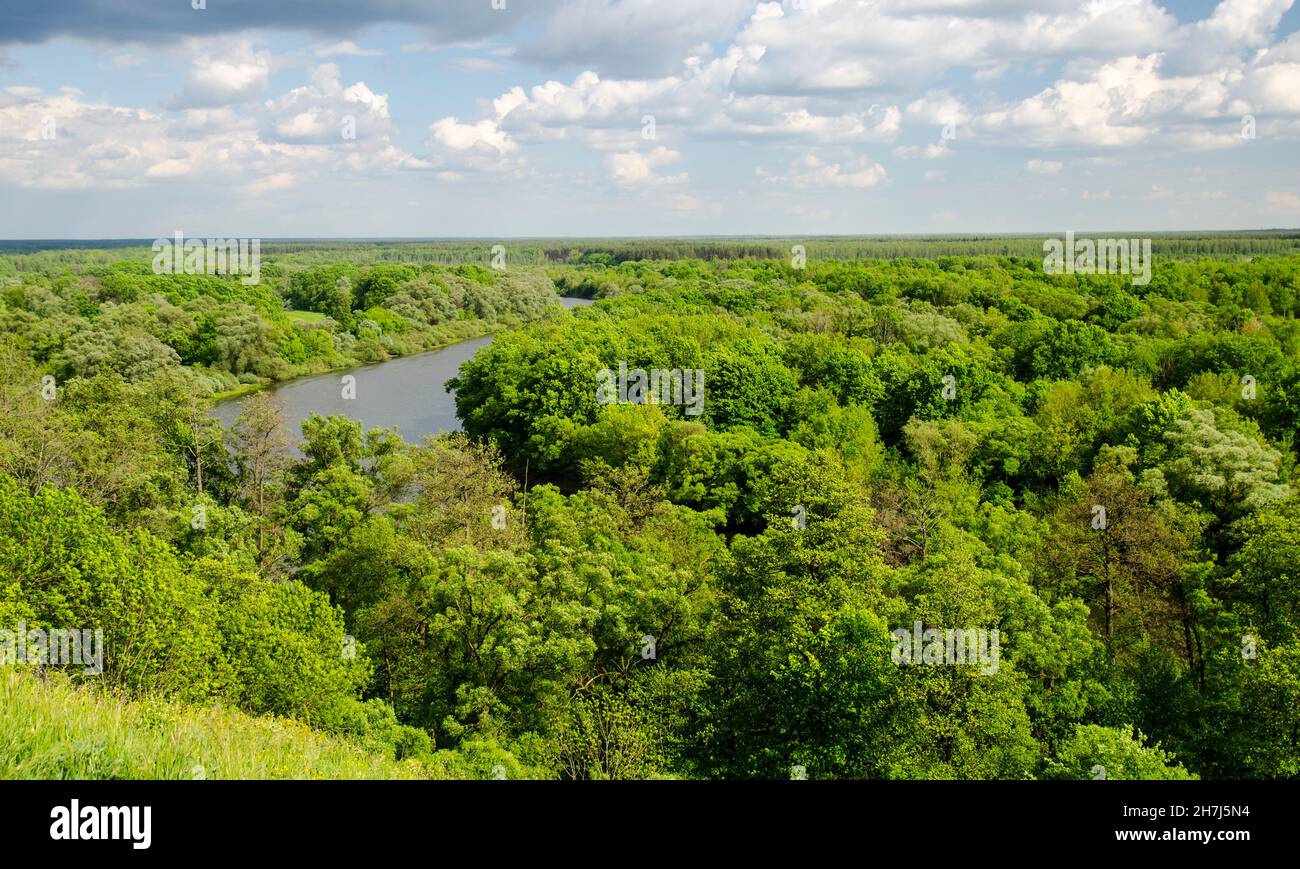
[(80, 320), (1101, 472)]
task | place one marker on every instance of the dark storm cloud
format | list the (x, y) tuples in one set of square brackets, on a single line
[(159, 20)]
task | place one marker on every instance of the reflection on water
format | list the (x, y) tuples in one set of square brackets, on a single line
[(408, 392)]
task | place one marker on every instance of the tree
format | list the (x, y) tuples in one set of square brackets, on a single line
[(133, 354), (1220, 470), (461, 495), (1096, 752), (1266, 570), (1124, 552), (604, 737), (261, 455), (1224, 471)]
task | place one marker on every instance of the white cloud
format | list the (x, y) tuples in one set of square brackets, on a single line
[(481, 136), (325, 112), (347, 48), (610, 114), (97, 145), (198, 122), (234, 74), (459, 149), (811, 172), (938, 108), (1112, 109), (828, 47), (1273, 88), (823, 79), (1234, 26), (93, 144), (632, 167), (768, 85), (273, 183)]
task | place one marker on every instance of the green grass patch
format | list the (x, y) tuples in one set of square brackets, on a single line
[(52, 729), (242, 389)]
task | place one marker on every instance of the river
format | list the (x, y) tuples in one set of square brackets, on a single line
[(408, 392)]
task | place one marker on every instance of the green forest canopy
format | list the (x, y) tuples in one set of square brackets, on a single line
[(919, 438)]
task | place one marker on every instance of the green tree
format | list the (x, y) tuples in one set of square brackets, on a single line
[(1096, 752)]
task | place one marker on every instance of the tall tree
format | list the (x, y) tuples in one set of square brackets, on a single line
[(261, 453), (1123, 551)]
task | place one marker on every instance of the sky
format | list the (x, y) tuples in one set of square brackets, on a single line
[(517, 118)]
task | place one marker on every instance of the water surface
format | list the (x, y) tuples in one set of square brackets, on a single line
[(408, 392)]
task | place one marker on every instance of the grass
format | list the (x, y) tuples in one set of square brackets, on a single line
[(305, 316), (242, 389), (52, 729)]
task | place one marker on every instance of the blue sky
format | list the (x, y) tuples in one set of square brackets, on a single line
[(646, 117)]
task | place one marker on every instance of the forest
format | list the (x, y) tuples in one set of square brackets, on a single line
[(894, 435)]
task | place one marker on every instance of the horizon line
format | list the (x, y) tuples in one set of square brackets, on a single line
[(706, 237)]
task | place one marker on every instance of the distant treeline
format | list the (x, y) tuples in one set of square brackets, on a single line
[(23, 256), (1177, 245)]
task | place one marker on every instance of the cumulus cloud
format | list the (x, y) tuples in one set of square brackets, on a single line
[(234, 74), (1115, 107), (1234, 26), (697, 103), (457, 148), (641, 88), (325, 111), (938, 108), (1273, 88), (64, 141), (1120, 87), (636, 168), (482, 136), (892, 44)]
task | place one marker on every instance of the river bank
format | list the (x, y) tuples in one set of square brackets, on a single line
[(406, 392)]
